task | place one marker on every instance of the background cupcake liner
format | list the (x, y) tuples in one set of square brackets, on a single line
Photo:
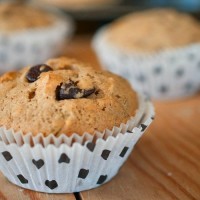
[(34, 46), (164, 75), (66, 165)]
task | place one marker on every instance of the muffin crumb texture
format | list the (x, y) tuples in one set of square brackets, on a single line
[(154, 30), (64, 96), (14, 17)]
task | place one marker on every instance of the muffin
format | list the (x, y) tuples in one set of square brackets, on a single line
[(80, 4), (32, 36), (76, 125), (158, 55)]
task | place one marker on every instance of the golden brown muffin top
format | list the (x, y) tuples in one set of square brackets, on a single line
[(64, 96), (15, 16), (154, 30)]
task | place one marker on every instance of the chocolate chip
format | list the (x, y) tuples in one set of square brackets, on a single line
[(71, 91), (35, 71)]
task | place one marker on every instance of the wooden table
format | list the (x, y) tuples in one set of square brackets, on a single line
[(165, 164)]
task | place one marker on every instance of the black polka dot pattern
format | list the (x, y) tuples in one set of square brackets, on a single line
[(102, 179), (129, 131), (83, 173), (188, 86), (64, 159), (22, 179), (157, 70), (163, 89), (143, 126), (191, 56), (141, 78), (91, 146), (179, 73), (38, 163), (105, 154), (153, 117), (124, 151), (51, 184), (7, 155)]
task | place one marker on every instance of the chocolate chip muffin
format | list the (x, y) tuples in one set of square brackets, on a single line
[(154, 30), (15, 17), (156, 50), (64, 96), (29, 34)]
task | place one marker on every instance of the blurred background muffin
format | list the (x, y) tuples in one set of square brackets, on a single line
[(157, 51), (30, 34), (78, 4)]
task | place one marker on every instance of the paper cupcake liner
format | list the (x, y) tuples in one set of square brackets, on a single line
[(34, 46), (164, 75), (67, 165)]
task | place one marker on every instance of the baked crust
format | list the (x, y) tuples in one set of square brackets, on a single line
[(153, 30), (33, 107)]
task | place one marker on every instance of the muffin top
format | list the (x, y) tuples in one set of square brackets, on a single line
[(15, 16), (154, 30), (64, 96), (79, 4)]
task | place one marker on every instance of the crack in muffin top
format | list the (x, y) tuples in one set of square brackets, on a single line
[(64, 96)]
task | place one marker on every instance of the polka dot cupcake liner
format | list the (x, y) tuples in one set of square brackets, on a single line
[(166, 75), (69, 164), (20, 48)]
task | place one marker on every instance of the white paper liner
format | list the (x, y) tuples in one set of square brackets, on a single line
[(87, 163), (34, 46), (164, 75)]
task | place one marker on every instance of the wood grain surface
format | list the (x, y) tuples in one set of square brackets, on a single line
[(8, 191), (165, 164)]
